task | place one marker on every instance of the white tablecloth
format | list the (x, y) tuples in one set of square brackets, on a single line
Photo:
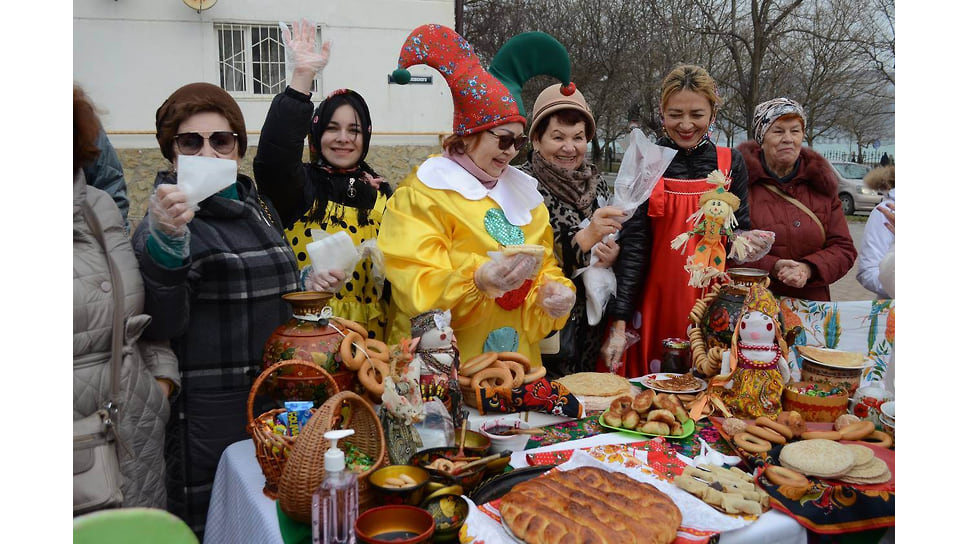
[(240, 512)]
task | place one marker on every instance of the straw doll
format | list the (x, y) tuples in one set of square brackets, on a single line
[(714, 220), (758, 359), (402, 402)]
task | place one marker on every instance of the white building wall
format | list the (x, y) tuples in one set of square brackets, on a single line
[(129, 55)]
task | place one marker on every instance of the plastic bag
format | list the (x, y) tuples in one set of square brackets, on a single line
[(437, 428), (642, 166)]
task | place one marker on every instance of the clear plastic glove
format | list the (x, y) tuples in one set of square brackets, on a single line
[(751, 245), (502, 274), (301, 51), (556, 299), (330, 281), (606, 253), (372, 181), (613, 348), (168, 215)]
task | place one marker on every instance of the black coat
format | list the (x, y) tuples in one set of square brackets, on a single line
[(632, 266)]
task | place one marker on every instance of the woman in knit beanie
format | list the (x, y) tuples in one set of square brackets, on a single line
[(214, 273)]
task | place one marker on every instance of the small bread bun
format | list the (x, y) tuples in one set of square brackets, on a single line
[(643, 401), (621, 404), (630, 418), (844, 421), (653, 427), (613, 418), (665, 416)]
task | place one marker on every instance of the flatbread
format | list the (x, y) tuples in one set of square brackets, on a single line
[(531, 249), (872, 469), (818, 457), (862, 454), (596, 384), (832, 357)]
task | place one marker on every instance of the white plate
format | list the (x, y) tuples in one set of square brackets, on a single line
[(649, 379)]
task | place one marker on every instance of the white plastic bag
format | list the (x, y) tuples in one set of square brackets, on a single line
[(642, 166)]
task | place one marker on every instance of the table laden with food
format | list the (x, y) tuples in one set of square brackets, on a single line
[(780, 442)]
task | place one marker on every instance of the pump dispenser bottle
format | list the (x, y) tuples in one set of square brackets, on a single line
[(336, 500)]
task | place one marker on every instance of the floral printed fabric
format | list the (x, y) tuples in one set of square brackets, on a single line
[(865, 326)]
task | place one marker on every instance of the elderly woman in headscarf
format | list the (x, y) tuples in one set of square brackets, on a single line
[(214, 274), (337, 191), (793, 192)]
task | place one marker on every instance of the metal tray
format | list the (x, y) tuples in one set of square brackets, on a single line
[(496, 487)]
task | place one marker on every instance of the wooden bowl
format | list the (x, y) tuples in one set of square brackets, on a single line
[(449, 512), (411, 495), (467, 480), (846, 377), (825, 409), (398, 523), (475, 443)]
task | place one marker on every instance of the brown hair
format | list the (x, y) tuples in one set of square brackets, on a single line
[(458, 145), (567, 117), (689, 77), (189, 100), (86, 127)]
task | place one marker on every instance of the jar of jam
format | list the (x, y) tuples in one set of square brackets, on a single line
[(676, 357)]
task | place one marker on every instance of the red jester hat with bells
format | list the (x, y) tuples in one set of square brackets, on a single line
[(485, 99)]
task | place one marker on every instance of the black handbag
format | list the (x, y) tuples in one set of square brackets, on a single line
[(97, 471)]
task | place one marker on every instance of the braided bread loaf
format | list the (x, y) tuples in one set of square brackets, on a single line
[(589, 505)]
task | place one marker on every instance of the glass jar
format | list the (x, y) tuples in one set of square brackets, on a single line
[(676, 356)]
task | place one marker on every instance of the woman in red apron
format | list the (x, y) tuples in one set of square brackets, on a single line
[(653, 298)]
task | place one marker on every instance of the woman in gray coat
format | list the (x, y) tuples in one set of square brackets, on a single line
[(150, 371)]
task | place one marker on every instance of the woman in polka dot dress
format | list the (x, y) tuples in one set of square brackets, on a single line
[(336, 191)]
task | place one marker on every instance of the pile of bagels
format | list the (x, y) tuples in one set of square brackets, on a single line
[(764, 433), (500, 370), (802, 448), (648, 412), (368, 357)]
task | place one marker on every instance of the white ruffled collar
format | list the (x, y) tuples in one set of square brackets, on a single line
[(515, 192)]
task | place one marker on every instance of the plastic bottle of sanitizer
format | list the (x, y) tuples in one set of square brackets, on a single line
[(336, 500)]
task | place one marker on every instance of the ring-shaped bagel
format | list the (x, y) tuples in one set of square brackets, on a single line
[(764, 421), (350, 360), (825, 435), (766, 434), (370, 379), (857, 430), (351, 325), (517, 371), (463, 381), (784, 476), (477, 363), (879, 438), (516, 357), (501, 378), (751, 443), (535, 374), (377, 349)]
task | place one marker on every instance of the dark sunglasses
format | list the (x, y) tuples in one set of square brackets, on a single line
[(190, 143), (505, 141)]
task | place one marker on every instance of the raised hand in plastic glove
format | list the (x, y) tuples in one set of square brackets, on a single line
[(556, 299), (751, 245), (614, 346), (301, 47), (168, 215), (330, 281), (498, 276)]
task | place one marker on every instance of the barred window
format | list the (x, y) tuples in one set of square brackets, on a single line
[(252, 58)]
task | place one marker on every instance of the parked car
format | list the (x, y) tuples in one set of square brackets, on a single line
[(853, 194)]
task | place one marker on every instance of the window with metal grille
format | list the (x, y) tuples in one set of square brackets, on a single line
[(252, 59)]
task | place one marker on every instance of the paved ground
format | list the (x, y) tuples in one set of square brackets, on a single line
[(847, 288)]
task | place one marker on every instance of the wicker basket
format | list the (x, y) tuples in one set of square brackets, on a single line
[(305, 471), (271, 449)]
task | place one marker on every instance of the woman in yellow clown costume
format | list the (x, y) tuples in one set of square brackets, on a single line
[(337, 191), (447, 226)]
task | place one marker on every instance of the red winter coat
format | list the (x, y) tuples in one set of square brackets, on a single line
[(798, 237)]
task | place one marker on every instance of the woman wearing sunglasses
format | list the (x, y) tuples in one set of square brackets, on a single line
[(214, 275), (561, 127), (448, 223), (336, 191)]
